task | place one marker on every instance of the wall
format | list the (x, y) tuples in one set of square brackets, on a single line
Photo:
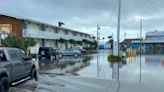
[(34, 31), (17, 25)]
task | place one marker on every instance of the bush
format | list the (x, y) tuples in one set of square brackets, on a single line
[(112, 58), (12, 41)]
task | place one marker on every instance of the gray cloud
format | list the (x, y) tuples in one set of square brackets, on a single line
[(84, 15)]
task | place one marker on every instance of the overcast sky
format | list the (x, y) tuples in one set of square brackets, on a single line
[(84, 15)]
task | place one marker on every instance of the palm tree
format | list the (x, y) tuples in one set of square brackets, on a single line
[(79, 42), (110, 37), (72, 41), (61, 40)]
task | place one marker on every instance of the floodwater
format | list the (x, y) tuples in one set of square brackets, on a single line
[(96, 66), (59, 75)]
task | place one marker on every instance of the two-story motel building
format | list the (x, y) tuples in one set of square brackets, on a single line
[(45, 34)]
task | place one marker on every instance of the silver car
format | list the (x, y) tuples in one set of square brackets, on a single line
[(70, 52), (79, 48)]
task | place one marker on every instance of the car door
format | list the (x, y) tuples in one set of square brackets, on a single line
[(71, 52), (26, 63), (28, 67), (17, 66), (68, 52)]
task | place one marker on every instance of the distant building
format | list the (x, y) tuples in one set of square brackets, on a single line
[(45, 34), (153, 43), (104, 46), (155, 35), (126, 42)]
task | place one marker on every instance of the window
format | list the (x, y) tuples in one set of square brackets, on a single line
[(13, 55), (20, 54), (81, 35), (16, 54), (25, 26), (86, 35), (42, 27), (74, 34), (66, 31), (2, 56), (56, 30)]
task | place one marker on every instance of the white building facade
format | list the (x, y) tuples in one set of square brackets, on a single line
[(48, 35)]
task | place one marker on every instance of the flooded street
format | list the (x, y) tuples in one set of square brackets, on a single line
[(152, 67), (93, 70)]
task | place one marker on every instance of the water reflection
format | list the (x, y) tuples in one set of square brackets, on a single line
[(121, 64), (96, 66), (115, 71), (101, 57), (154, 61), (65, 65)]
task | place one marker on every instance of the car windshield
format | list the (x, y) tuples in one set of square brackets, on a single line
[(69, 49), (22, 54), (84, 45), (52, 49)]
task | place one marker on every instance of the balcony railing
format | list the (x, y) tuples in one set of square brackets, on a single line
[(51, 35)]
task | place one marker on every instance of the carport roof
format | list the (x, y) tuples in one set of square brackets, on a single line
[(149, 41)]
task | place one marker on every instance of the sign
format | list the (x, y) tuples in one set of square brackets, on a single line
[(7, 28)]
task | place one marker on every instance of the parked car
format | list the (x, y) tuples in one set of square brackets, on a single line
[(69, 52), (15, 68), (48, 53), (79, 48)]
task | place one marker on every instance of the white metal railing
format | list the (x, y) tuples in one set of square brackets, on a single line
[(51, 35)]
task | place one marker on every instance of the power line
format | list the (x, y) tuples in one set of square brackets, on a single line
[(112, 13), (155, 3), (114, 9)]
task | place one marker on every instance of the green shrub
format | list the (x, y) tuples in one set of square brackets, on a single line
[(112, 58)]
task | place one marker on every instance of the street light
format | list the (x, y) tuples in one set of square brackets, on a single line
[(140, 46)]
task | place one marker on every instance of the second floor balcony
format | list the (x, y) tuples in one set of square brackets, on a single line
[(51, 35)]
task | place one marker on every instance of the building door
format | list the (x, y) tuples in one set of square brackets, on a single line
[(66, 45), (43, 43), (56, 43)]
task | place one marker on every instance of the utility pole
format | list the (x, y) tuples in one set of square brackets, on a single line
[(0, 38), (98, 28), (140, 47), (118, 34), (118, 26)]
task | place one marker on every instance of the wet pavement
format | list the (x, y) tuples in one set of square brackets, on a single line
[(67, 65), (96, 66)]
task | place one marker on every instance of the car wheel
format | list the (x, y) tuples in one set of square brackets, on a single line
[(51, 58), (76, 55), (4, 85), (57, 57), (60, 55), (34, 75)]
